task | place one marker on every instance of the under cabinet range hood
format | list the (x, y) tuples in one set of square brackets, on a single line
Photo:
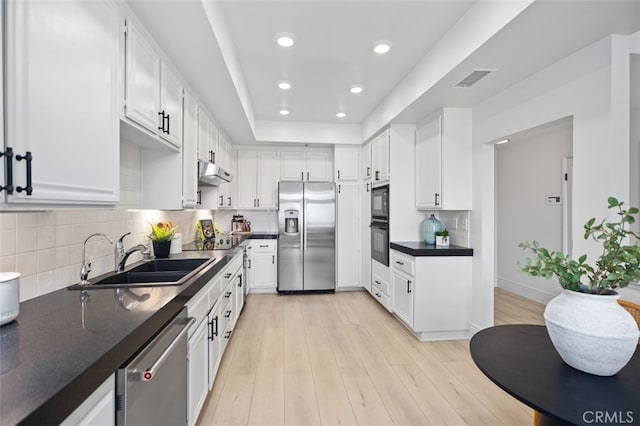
[(212, 174)]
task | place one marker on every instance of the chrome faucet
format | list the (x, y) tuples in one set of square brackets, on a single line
[(118, 252), (140, 247), (86, 267)]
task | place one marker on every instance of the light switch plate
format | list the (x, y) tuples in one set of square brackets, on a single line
[(553, 200)]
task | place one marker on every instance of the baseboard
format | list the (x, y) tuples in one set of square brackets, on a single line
[(350, 289), (474, 328), (262, 290), (525, 291)]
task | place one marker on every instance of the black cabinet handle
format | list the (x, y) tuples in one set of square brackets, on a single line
[(273, 259), (368, 171), (378, 294), (227, 314), (258, 202), (210, 156), (377, 282), (227, 295), (307, 175), (264, 245), (339, 189), (27, 157), (437, 195), (198, 197), (168, 131), (228, 334), (240, 280), (8, 156), (214, 157), (408, 286), (368, 190), (229, 202), (214, 332), (161, 126), (338, 174), (399, 263), (301, 175), (227, 275), (377, 175), (249, 267)]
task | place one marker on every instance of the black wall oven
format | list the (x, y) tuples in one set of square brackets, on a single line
[(380, 224)]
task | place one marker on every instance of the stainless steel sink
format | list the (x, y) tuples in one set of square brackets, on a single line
[(152, 273)]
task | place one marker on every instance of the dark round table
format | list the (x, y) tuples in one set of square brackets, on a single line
[(521, 360)]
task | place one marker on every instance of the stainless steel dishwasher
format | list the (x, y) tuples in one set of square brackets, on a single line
[(152, 389)]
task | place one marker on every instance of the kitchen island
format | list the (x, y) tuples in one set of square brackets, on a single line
[(65, 344)]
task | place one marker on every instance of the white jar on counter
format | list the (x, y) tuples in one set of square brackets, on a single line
[(9, 296)]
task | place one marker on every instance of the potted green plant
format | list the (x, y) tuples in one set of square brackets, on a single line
[(587, 326), (442, 238), (161, 235)]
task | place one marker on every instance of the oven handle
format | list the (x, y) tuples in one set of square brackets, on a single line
[(379, 225), (148, 374)]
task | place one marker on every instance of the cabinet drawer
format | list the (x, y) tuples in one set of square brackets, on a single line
[(264, 246), (380, 283), (215, 290), (381, 297), (403, 263), (198, 307), (235, 264)]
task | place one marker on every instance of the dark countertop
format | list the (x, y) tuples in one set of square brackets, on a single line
[(263, 236), (60, 349), (420, 248)]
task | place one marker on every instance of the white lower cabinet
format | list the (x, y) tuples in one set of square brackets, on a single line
[(197, 356), (98, 409), (263, 265), (431, 294), (380, 284), (215, 309)]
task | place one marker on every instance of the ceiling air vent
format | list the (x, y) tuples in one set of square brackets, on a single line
[(474, 77)]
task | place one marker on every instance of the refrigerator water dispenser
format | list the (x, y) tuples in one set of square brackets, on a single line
[(291, 222)]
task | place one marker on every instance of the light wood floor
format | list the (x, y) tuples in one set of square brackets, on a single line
[(342, 359)]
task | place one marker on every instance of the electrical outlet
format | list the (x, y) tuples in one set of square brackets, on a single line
[(463, 224)]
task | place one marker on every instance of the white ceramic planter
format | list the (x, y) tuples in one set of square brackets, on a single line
[(9, 296), (591, 333), (442, 241)]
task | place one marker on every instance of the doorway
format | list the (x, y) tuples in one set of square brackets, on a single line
[(533, 202)]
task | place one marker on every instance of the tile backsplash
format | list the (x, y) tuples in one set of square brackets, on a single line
[(261, 221), (457, 222)]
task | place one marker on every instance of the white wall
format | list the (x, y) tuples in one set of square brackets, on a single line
[(303, 132), (577, 86), (528, 169)]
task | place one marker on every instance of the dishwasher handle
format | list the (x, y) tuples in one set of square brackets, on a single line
[(148, 374)]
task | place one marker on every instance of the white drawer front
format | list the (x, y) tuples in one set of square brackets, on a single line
[(198, 307), (381, 297), (264, 246), (402, 262), (380, 283)]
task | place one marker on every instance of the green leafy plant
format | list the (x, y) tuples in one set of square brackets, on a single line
[(443, 233), (162, 231), (617, 266)]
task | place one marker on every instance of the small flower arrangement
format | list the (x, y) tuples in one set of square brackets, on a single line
[(161, 231)]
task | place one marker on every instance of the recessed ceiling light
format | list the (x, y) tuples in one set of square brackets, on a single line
[(356, 88), (503, 141), (285, 39), (284, 85), (341, 115), (284, 112), (382, 46)]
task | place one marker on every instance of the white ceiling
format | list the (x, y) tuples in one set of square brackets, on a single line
[(333, 51)]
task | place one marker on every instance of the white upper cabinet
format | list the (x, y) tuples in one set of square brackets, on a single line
[(443, 161), (189, 153), (346, 163), (142, 87), (308, 166), (171, 95), (318, 166), (258, 175), (207, 137), (380, 157), (293, 165), (153, 95), (366, 172), (61, 101)]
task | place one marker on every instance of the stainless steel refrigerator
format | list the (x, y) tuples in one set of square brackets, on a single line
[(306, 236)]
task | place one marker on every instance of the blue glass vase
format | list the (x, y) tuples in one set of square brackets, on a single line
[(431, 226)]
